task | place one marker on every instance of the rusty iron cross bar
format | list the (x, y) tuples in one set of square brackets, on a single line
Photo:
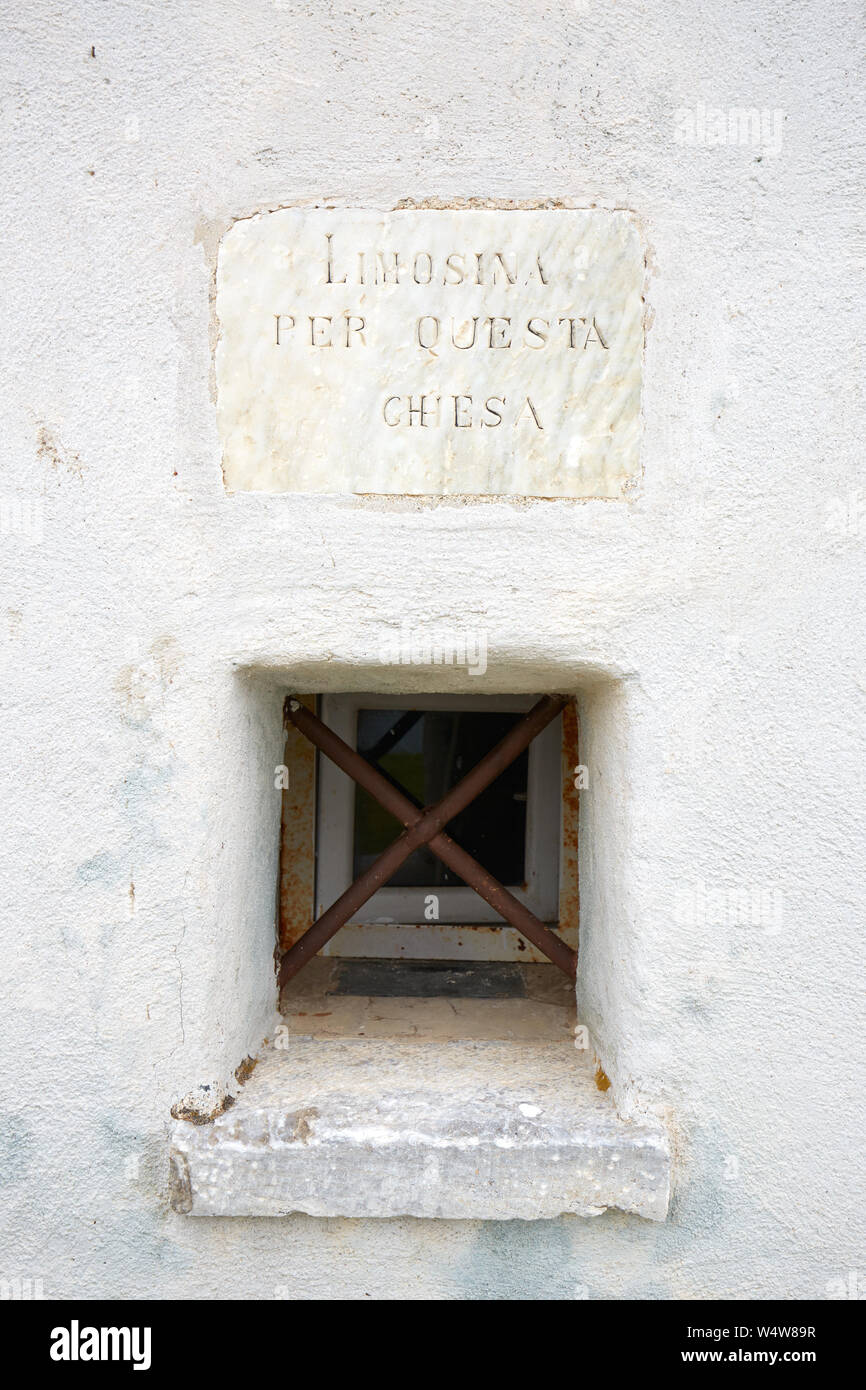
[(425, 827)]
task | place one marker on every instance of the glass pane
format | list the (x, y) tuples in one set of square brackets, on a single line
[(425, 753)]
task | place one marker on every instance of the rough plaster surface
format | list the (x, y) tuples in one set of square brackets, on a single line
[(489, 1130), (713, 625)]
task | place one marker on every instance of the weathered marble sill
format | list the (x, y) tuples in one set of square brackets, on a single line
[(378, 1128)]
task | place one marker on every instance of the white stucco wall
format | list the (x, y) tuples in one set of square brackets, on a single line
[(712, 625)]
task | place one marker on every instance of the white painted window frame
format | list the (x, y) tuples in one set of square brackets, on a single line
[(402, 907)]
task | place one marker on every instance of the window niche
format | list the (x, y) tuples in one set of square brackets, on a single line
[(426, 1067), (433, 934)]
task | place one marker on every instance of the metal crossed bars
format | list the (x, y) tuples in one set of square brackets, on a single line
[(425, 826)]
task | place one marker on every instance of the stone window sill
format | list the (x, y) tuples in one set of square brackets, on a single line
[(361, 1127)]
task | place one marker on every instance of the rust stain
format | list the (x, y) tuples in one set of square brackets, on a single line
[(197, 1116), (50, 450), (299, 1124), (201, 1117), (246, 1069), (297, 836), (569, 891)]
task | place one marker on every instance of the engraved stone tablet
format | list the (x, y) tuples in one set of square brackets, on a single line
[(431, 352)]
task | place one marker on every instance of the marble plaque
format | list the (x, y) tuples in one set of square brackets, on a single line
[(431, 352)]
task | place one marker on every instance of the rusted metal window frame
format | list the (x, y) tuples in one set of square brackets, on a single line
[(425, 826)]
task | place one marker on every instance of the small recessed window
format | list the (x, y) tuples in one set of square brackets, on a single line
[(424, 745)]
